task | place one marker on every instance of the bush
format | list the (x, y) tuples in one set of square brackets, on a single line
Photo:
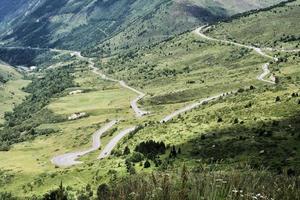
[(136, 157), (7, 196), (147, 164), (126, 151), (103, 192)]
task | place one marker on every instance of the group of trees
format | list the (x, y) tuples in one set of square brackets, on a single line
[(151, 148), (24, 56)]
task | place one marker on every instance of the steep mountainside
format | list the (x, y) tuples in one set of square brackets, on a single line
[(8, 7), (80, 24)]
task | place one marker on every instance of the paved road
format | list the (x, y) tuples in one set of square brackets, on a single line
[(112, 143), (199, 31), (134, 103), (69, 159), (192, 106)]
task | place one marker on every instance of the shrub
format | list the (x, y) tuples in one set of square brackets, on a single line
[(147, 164), (136, 157), (126, 151), (103, 192)]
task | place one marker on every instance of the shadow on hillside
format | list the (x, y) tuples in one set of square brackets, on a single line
[(36, 27), (273, 145)]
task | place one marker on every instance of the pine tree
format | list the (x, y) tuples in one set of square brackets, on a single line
[(179, 150), (126, 151), (184, 180), (103, 192)]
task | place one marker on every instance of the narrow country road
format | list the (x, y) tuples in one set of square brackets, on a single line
[(69, 159), (112, 143), (200, 31), (191, 107), (134, 103)]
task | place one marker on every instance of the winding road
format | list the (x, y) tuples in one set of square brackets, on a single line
[(200, 31), (112, 143), (138, 112), (69, 159)]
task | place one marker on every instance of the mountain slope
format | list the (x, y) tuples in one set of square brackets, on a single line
[(277, 28), (79, 24), (8, 7)]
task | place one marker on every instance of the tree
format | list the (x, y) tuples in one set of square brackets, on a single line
[(179, 150), (173, 153), (132, 170), (236, 120), (147, 164), (277, 99), (103, 192), (58, 194), (136, 157), (184, 180), (126, 151), (129, 167), (220, 119)]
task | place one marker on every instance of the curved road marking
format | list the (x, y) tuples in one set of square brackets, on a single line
[(70, 159)]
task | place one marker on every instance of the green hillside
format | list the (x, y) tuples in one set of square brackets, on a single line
[(11, 93), (242, 144), (277, 28)]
